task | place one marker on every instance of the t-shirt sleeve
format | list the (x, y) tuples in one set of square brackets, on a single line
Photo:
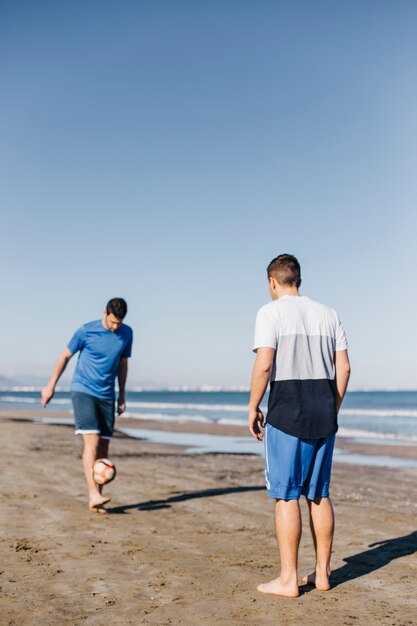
[(77, 341), (127, 352), (341, 340), (265, 331)]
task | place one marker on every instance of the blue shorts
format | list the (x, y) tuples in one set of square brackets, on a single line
[(93, 415), (296, 467)]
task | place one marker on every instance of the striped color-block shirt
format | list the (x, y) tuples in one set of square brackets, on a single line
[(305, 335)]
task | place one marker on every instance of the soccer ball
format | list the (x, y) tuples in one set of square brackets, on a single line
[(103, 471)]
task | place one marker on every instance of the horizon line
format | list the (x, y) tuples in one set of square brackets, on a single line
[(199, 389)]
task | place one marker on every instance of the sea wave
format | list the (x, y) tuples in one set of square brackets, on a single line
[(163, 417), (226, 408), (180, 406), (380, 412), (357, 433), (346, 433), (186, 406), (23, 400), (241, 408)]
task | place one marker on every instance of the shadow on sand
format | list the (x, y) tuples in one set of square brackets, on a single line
[(380, 554), (153, 505)]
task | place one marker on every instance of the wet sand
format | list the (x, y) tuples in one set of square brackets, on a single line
[(188, 538)]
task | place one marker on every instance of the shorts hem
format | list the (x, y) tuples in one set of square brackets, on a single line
[(314, 492), (310, 493), (284, 494), (82, 431), (79, 431)]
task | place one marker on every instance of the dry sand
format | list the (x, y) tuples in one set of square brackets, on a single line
[(188, 539)]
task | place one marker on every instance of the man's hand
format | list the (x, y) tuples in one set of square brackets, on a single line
[(256, 422), (260, 378), (342, 374), (47, 394), (121, 379), (49, 391), (121, 405)]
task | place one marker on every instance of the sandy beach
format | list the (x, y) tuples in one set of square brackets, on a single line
[(188, 538)]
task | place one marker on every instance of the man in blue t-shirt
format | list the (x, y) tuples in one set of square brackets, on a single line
[(104, 347)]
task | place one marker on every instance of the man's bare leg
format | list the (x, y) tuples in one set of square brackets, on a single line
[(322, 529), (102, 453), (91, 447), (288, 532)]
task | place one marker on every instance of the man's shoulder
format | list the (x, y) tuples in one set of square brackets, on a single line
[(126, 330), (269, 309), (290, 306), (94, 325), (320, 306), (85, 327)]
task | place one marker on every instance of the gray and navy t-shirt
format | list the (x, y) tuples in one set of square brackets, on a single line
[(100, 353), (305, 335)]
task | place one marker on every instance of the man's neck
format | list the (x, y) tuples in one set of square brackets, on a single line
[(288, 291)]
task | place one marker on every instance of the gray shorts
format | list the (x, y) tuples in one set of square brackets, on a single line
[(93, 415)]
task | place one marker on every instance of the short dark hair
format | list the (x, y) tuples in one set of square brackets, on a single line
[(118, 307), (286, 270)]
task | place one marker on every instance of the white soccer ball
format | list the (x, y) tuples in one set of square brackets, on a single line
[(103, 471)]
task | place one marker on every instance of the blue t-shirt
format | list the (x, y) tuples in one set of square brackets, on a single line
[(99, 359)]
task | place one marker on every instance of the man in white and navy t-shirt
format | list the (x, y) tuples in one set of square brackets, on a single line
[(301, 349)]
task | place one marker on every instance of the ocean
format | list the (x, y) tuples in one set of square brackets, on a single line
[(367, 416)]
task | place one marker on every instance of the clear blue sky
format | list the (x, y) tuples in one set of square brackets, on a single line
[(166, 151)]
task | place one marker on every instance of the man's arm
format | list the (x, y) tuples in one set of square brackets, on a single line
[(121, 379), (342, 374), (260, 379), (49, 390)]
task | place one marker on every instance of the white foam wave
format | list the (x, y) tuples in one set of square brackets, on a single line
[(241, 408), (230, 408), (381, 412), (20, 388), (348, 433), (185, 406), (22, 400), (356, 433), (163, 417), (30, 388)]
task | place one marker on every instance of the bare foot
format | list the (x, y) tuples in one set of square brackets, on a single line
[(279, 588), (320, 582), (96, 504), (97, 501), (99, 509)]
